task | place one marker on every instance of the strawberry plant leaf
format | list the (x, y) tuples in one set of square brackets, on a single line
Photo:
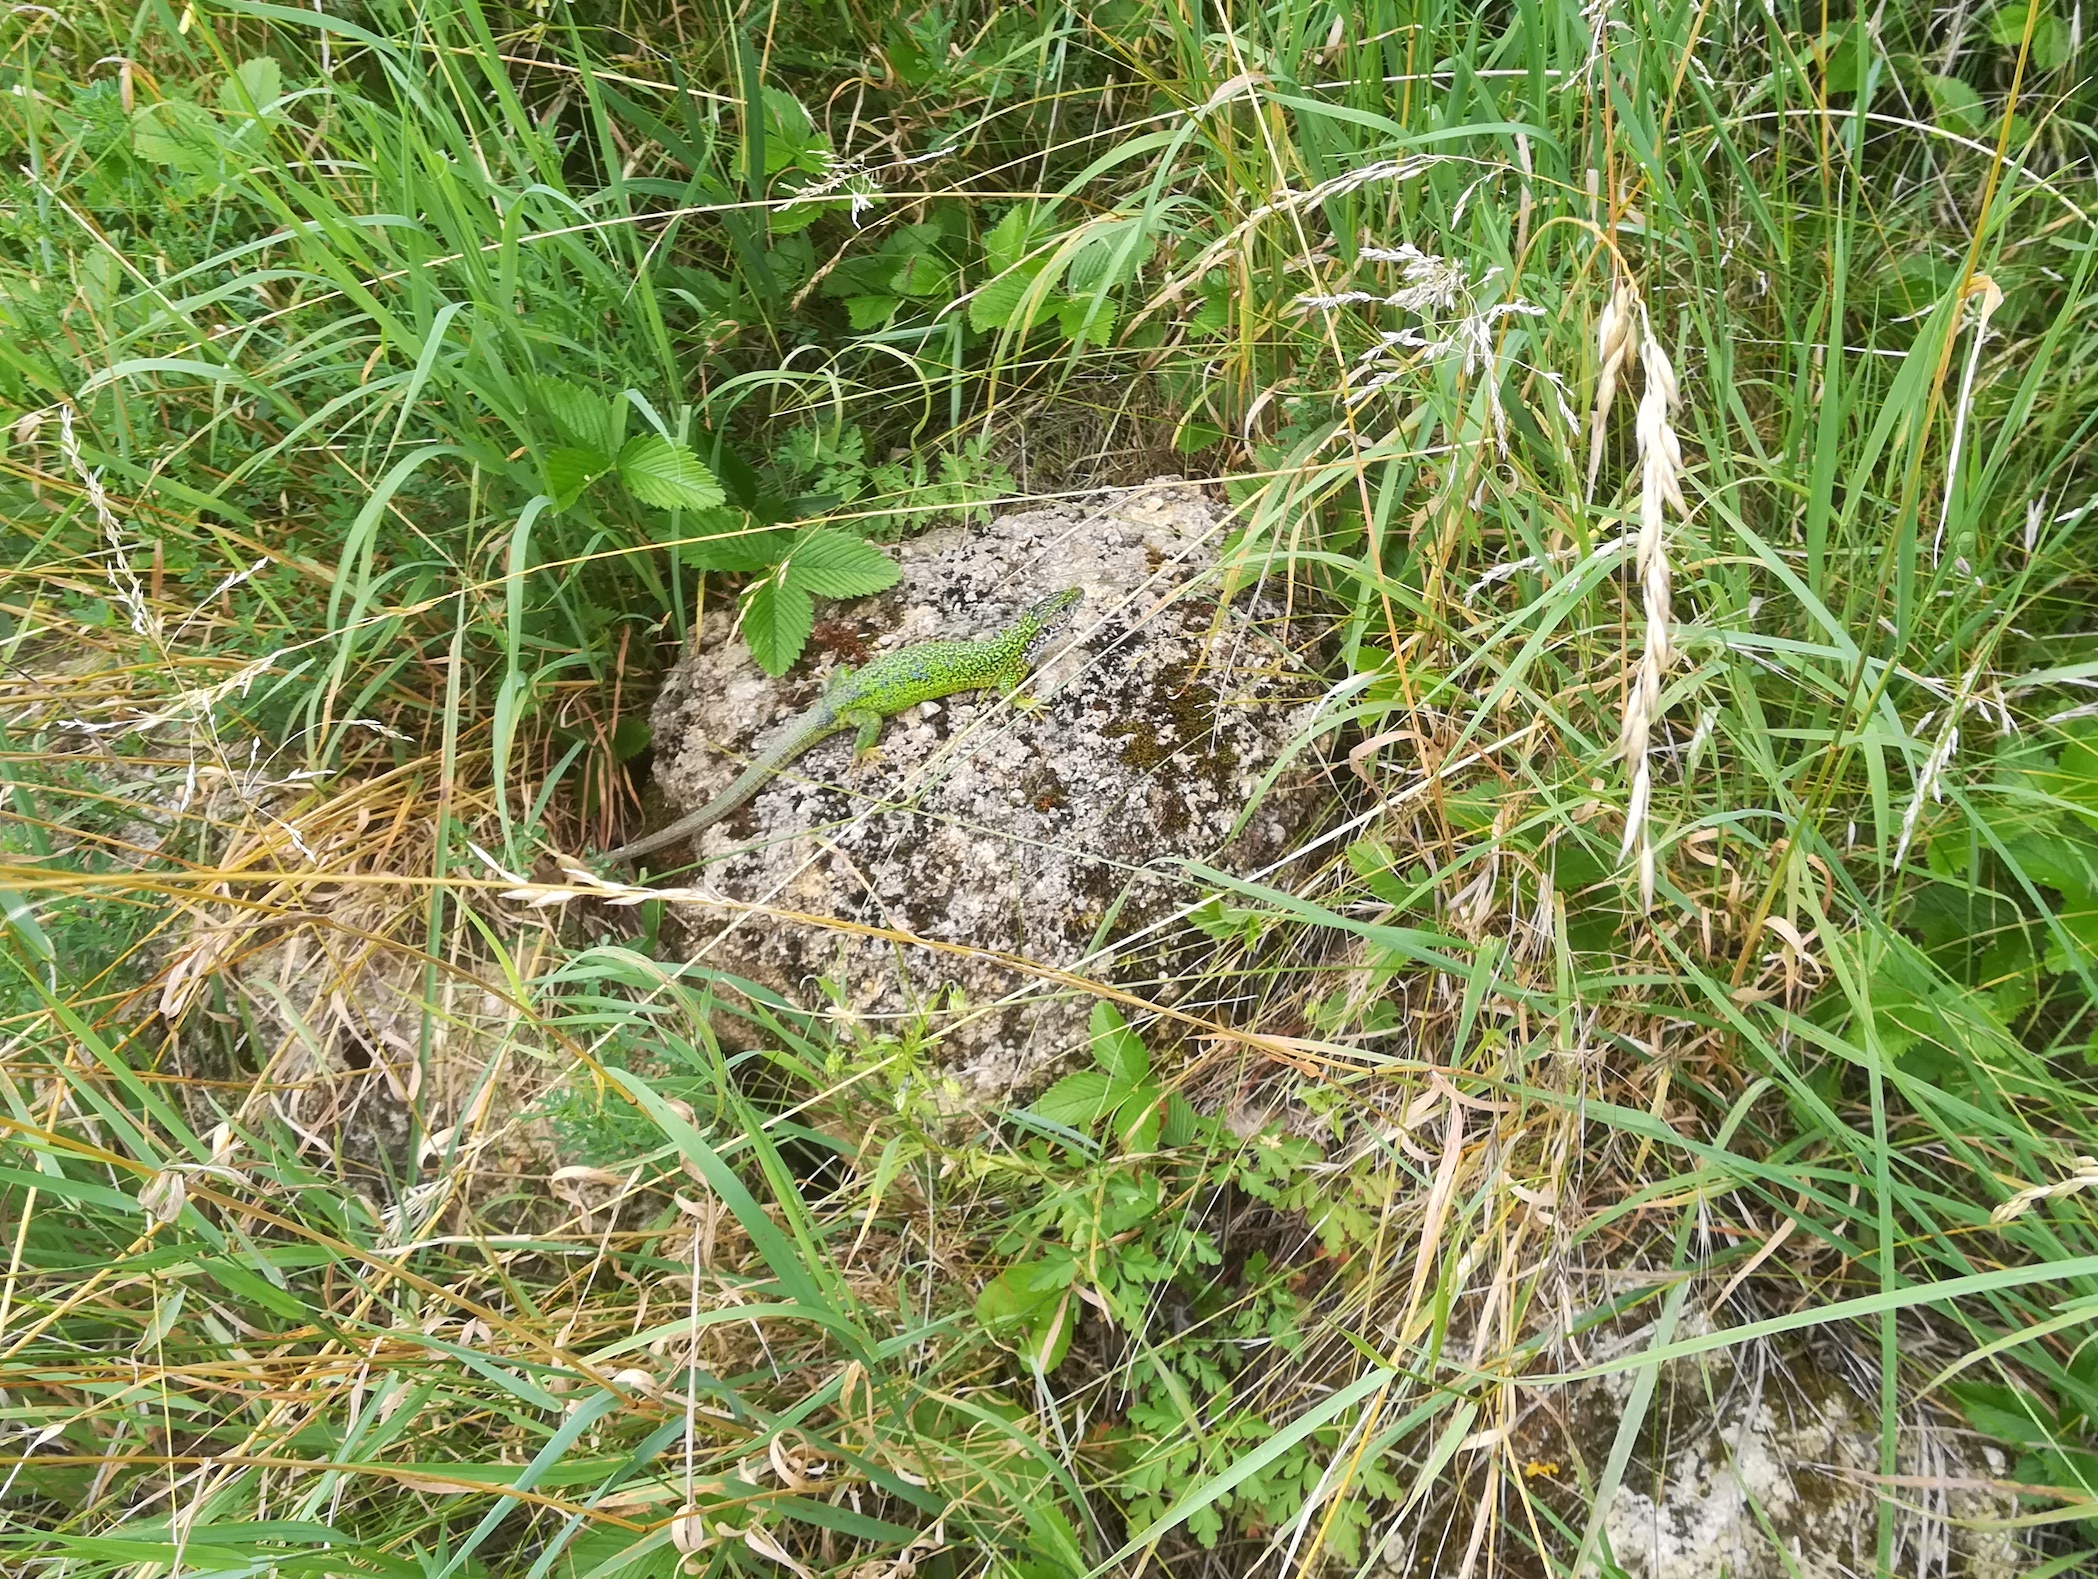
[(667, 475), (586, 419), (836, 564), (1001, 303), (569, 471), (1078, 1100), (1116, 1048), (777, 619), (733, 541)]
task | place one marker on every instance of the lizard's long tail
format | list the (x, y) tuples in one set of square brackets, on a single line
[(772, 755)]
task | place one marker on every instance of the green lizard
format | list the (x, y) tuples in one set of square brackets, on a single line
[(861, 698)]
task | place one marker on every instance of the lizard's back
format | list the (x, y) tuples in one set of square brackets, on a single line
[(923, 672)]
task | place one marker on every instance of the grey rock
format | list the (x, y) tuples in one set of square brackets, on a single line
[(1041, 834)]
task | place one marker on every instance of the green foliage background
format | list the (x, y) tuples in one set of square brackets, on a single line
[(387, 388)]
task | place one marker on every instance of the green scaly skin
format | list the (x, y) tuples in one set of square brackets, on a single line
[(861, 698)]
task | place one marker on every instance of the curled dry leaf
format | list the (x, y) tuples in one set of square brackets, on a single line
[(195, 963), (759, 1540), (435, 1145), (1359, 756), (689, 1532), (567, 1182), (163, 1197), (797, 1469)]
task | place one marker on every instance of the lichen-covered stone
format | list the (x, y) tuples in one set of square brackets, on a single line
[(1041, 833), (1757, 1461)]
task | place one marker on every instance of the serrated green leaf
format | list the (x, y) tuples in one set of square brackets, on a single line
[(666, 475), (1006, 242), (1050, 1340), (1110, 254), (1024, 1288), (1181, 1122), (252, 86), (2007, 23), (920, 274), (2050, 35), (178, 134), (777, 619), (1030, 1306), (733, 541), (836, 564), (1084, 321), (569, 471), (1116, 1048), (869, 312), (1138, 1117), (796, 216), (1196, 435), (1215, 311), (586, 418), (2005, 1413), (790, 134), (1079, 1100), (1002, 302), (1958, 106)]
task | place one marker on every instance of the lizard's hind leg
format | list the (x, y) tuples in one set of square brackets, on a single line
[(867, 722)]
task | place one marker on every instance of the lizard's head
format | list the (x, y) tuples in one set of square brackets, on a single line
[(1041, 621)]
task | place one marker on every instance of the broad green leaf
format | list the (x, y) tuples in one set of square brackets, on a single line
[(1030, 1306), (586, 419), (1085, 321), (1109, 254), (1078, 1100), (730, 540), (2004, 1413), (1181, 1122), (2075, 774), (794, 217), (2050, 35), (1959, 107), (1116, 1048), (999, 304), (667, 475), (920, 274), (791, 137), (1842, 52), (869, 312), (1196, 435), (777, 619), (1006, 242), (1138, 1119), (1050, 1340), (568, 472), (252, 86), (910, 63), (178, 134), (1215, 312), (836, 564), (1023, 1288)]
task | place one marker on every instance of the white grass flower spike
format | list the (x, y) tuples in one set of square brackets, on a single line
[(1660, 490)]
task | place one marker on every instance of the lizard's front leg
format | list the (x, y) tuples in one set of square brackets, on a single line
[(1011, 685)]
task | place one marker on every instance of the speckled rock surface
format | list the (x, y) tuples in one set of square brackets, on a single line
[(981, 824), (1761, 1461)]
